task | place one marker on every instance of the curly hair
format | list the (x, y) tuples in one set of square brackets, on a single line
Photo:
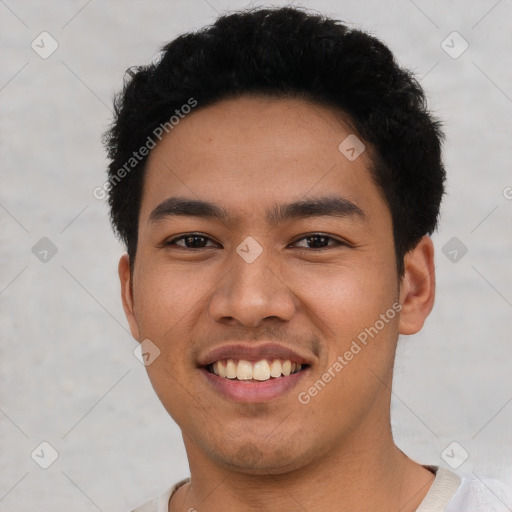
[(288, 52)]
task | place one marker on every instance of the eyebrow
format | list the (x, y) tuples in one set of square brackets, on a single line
[(326, 206)]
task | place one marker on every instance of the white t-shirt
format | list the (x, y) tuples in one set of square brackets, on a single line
[(448, 493)]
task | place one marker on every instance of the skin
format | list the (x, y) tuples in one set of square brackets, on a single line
[(337, 451)]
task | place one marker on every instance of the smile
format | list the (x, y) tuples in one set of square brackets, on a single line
[(257, 371), (244, 381)]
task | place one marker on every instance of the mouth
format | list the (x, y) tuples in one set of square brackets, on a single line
[(262, 370), (244, 381)]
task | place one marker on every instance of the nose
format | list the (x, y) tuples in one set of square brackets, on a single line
[(252, 292)]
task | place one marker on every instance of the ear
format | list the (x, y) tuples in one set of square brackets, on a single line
[(417, 287), (127, 294)]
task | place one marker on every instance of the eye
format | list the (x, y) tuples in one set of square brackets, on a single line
[(191, 241), (199, 241), (318, 241)]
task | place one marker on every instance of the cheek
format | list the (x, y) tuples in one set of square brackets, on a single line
[(166, 297), (342, 300), (359, 346)]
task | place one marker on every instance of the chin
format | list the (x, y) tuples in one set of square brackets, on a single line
[(261, 459)]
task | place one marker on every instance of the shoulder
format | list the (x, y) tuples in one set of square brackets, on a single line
[(161, 503), (481, 495)]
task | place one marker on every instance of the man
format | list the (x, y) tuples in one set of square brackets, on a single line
[(275, 178)]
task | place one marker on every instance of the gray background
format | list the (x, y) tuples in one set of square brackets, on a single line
[(68, 374)]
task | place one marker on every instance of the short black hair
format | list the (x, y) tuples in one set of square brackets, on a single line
[(286, 52)]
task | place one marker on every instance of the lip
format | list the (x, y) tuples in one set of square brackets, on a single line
[(253, 353), (264, 391)]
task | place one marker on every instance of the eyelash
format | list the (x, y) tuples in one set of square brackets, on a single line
[(338, 243)]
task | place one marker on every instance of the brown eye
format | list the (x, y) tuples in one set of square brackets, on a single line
[(190, 241), (318, 241)]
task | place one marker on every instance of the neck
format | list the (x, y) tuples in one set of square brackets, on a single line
[(363, 472)]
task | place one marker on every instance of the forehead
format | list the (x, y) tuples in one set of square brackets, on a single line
[(255, 151)]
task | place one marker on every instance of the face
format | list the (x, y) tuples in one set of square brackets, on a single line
[(291, 259)]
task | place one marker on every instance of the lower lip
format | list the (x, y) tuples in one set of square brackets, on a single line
[(263, 391)]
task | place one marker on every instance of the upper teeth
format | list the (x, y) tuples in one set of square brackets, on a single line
[(258, 370)]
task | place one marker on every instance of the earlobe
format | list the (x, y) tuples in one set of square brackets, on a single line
[(124, 272), (417, 288)]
